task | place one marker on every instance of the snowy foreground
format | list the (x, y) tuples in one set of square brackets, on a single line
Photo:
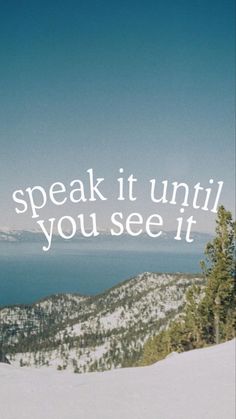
[(195, 385)]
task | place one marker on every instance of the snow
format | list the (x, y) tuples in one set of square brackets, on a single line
[(192, 385), (112, 320)]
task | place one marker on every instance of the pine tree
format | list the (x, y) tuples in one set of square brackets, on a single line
[(218, 304), (192, 318), (155, 349)]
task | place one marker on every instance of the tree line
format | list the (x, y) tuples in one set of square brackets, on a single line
[(209, 315)]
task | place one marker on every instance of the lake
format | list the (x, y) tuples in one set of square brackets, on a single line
[(27, 273)]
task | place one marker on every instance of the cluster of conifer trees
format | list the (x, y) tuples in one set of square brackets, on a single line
[(210, 312)]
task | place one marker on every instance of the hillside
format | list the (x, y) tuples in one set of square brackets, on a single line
[(97, 333), (195, 384)]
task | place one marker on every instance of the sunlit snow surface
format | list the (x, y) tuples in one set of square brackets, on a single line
[(195, 385)]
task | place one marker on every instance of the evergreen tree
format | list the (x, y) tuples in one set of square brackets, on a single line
[(218, 305), (192, 318), (155, 349)]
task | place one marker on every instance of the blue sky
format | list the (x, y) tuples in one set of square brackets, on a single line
[(147, 86)]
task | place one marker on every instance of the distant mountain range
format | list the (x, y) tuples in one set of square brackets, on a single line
[(95, 333), (166, 239)]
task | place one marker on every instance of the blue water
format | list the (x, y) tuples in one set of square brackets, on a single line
[(27, 273)]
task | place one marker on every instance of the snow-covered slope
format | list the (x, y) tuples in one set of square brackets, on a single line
[(86, 334), (193, 385)]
